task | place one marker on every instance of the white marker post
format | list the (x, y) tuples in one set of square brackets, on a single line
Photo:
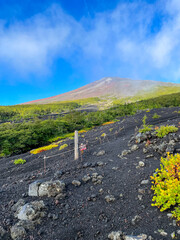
[(76, 150)]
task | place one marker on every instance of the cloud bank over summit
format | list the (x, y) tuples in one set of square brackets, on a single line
[(138, 40)]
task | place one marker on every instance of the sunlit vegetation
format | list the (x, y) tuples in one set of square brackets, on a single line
[(107, 123), (19, 112), (21, 137), (19, 161), (63, 146), (145, 128), (43, 149), (166, 185), (155, 116), (164, 130)]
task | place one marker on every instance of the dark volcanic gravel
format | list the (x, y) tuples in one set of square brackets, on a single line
[(84, 213)]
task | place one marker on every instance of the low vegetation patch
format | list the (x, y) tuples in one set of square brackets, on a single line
[(164, 130), (107, 123), (42, 149), (63, 146), (19, 161), (166, 185), (155, 116), (145, 128)]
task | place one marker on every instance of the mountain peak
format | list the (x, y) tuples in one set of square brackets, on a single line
[(108, 86)]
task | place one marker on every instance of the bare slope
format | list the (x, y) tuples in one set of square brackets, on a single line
[(111, 86)]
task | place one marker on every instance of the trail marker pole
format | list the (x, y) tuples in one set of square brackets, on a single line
[(76, 149), (44, 164)]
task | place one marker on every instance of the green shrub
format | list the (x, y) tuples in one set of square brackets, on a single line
[(164, 130), (19, 161), (146, 128)]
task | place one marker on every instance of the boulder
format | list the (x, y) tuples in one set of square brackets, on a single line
[(34, 188), (31, 211), (51, 188)]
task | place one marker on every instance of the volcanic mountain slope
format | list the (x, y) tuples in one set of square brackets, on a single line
[(109, 87), (109, 189)]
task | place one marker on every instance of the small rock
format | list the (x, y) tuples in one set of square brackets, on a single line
[(149, 156), (134, 147), (136, 219), (144, 182), (141, 191), (169, 215), (76, 183), (115, 235), (60, 196), (140, 197), (140, 237), (86, 165), (101, 190), (145, 150), (18, 232), (86, 178), (100, 163), (53, 216), (141, 164), (110, 198), (100, 153), (174, 223), (92, 198), (58, 174), (164, 234), (124, 152), (115, 168)]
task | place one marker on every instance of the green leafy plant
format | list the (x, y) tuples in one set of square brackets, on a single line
[(146, 128), (155, 116), (19, 161), (164, 130), (166, 185)]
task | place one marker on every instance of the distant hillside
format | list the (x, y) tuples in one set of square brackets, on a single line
[(114, 87)]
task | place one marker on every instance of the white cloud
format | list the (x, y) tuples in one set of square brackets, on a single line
[(118, 38)]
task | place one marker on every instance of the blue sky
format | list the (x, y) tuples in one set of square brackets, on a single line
[(51, 47)]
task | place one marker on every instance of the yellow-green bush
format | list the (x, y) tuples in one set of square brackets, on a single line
[(63, 146), (19, 161), (164, 130), (42, 149), (166, 185)]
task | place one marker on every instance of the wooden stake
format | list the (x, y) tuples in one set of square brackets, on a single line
[(76, 150), (44, 164)]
